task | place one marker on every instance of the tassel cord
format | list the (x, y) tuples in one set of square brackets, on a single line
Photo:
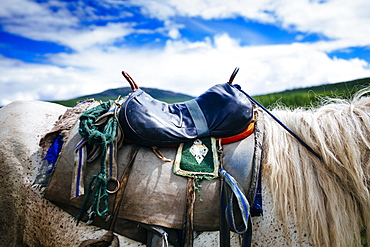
[(102, 136)]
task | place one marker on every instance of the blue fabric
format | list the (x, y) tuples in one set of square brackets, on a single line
[(198, 117), (53, 153), (149, 122), (242, 201), (237, 86)]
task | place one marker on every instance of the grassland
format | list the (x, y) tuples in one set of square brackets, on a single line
[(311, 96), (299, 97)]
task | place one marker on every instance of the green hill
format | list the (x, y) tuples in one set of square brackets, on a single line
[(310, 96), (299, 97)]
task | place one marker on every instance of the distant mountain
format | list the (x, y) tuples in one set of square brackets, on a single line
[(299, 97), (112, 94)]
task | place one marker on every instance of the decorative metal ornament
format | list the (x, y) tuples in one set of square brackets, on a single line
[(199, 150)]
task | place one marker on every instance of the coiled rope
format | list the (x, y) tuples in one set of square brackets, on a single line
[(102, 136)]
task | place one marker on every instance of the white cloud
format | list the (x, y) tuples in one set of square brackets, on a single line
[(30, 19), (95, 35), (182, 66), (174, 33), (39, 22), (336, 19), (207, 9), (22, 80)]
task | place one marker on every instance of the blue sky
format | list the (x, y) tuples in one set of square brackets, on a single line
[(63, 49)]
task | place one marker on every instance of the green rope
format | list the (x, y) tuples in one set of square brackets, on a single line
[(102, 136)]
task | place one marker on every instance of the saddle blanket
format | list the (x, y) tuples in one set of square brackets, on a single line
[(154, 194)]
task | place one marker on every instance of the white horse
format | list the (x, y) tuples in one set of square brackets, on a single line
[(307, 202)]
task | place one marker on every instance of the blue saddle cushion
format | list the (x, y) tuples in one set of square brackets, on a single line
[(149, 122)]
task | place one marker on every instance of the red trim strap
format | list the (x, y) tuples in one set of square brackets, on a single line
[(244, 134)]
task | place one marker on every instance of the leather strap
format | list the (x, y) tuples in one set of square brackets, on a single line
[(189, 214), (283, 125), (247, 236), (224, 226), (109, 237), (123, 183), (198, 117)]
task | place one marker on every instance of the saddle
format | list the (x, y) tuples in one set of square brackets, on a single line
[(221, 111), (152, 187), (214, 113)]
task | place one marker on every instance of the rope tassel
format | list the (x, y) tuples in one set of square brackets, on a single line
[(97, 196), (99, 128)]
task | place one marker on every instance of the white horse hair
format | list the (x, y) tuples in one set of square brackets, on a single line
[(307, 202), (329, 197)]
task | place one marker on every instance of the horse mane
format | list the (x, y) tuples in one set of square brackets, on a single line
[(331, 197)]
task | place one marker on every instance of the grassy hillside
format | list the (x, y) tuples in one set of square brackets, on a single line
[(310, 96), (300, 97)]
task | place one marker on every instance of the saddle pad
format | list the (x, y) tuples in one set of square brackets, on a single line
[(154, 194), (221, 111)]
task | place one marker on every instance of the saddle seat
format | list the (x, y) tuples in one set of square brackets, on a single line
[(222, 111)]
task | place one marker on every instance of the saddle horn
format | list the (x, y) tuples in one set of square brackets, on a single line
[(236, 70), (133, 84)]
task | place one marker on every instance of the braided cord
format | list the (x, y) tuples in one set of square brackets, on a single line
[(103, 136)]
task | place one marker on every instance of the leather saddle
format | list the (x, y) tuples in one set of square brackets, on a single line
[(222, 111)]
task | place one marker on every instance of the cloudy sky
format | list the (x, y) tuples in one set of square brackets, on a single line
[(63, 49)]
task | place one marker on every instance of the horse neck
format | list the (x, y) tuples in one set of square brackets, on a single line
[(321, 190)]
